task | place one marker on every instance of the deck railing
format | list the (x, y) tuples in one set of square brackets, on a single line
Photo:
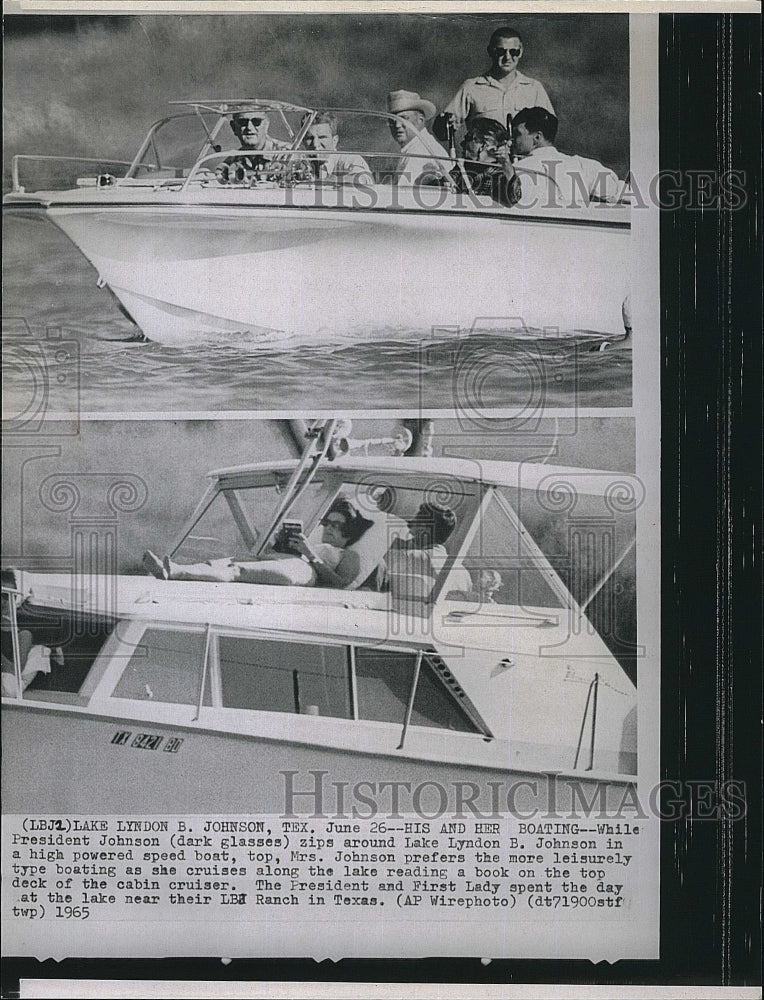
[(61, 159)]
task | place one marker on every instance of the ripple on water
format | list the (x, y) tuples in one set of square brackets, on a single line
[(49, 286)]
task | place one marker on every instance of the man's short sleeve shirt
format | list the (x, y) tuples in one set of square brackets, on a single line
[(483, 95)]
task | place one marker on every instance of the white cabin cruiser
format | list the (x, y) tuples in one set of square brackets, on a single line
[(195, 247), (201, 696)]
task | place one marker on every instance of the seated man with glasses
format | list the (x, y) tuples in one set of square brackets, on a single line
[(250, 126), (501, 91)]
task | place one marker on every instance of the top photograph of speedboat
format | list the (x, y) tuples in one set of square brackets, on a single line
[(274, 229)]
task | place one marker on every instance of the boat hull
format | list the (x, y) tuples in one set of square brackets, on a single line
[(279, 273), (70, 763)]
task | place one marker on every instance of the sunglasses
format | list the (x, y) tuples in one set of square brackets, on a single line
[(328, 522), (506, 52), (241, 122)]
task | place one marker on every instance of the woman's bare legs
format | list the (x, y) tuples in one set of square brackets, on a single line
[(213, 571), (283, 572)]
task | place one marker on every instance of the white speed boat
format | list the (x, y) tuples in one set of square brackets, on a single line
[(213, 697), (194, 250)]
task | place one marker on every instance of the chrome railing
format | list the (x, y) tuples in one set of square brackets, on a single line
[(62, 159)]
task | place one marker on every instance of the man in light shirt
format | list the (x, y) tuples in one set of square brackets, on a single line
[(549, 177), (423, 159), (411, 566), (250, 126), (503, 90), (326, 162)]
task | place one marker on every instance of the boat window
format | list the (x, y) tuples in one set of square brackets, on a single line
[(235, 522), (166, 667), (174, 147), (272, 676), (383, 680), (408, 573), (57, 650), (502, 567), (582, 545)]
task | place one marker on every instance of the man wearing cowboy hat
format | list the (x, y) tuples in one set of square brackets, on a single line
[(423, 159), (503, 90)]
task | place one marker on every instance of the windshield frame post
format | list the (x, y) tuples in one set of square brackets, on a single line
[(209, 495), (412, 696), (204, 672), (295, 488), (457, 560), (593, 688), (11, 593)]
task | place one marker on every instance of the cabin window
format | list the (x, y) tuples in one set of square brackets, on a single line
[(384, 678), (502, 566), (166, 667), (74, 643), (270, 676)]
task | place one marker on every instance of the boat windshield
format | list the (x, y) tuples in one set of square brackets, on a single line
[(289, 146), (414, 528), (524, 553), (502, 564), (174, 145)]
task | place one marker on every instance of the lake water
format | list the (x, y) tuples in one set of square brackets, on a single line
[(51, 301)]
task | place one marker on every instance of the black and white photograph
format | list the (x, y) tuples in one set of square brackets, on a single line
[(352, 605), (373, 381), (271, 212)]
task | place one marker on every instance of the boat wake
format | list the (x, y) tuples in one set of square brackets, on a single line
[(326, 338)]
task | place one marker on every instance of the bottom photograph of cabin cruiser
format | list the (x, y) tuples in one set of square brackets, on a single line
[(461, 649)]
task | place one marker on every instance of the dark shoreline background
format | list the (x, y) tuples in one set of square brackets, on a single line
[(91, 86)]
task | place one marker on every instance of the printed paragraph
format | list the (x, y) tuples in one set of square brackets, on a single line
[(68, 868)]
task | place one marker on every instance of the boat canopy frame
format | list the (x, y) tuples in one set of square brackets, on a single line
[(288, 478), (210, 150)]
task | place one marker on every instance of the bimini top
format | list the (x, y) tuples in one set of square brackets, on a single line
[(226, 105), (525, 475)]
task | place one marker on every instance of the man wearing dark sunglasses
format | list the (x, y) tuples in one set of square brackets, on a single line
[(250, 126), (503, 90)]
